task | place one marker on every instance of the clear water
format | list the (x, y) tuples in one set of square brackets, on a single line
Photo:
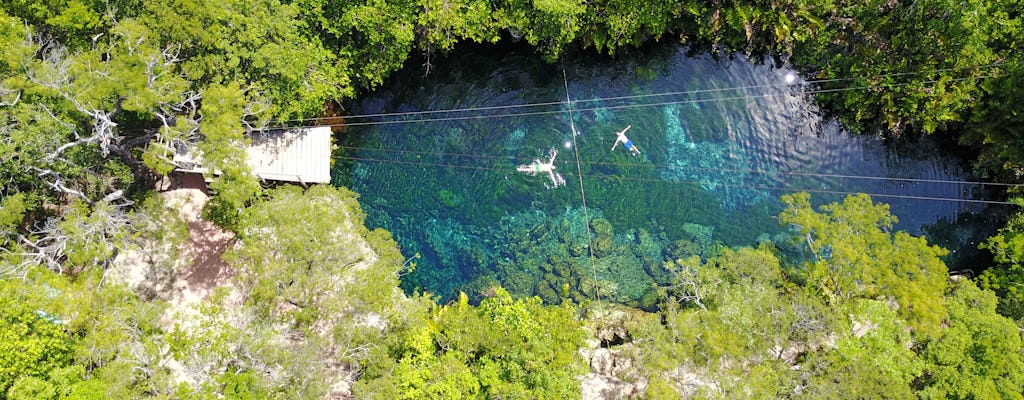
[(720, 141)]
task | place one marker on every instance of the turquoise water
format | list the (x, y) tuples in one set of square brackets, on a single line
[(720, 140)]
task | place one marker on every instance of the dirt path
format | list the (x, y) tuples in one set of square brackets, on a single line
[(206, 244)]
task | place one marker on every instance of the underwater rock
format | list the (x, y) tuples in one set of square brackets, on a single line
[(629, 276), (697, 241), (454, 139), (721, 168), (603, 237), (555, 256), (514, 140), (547, 293), (360, 171), (448, 199), (603, 116), (699, 234), (454, 246)]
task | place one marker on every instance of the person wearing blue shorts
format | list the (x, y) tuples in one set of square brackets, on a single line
[(628, 144)]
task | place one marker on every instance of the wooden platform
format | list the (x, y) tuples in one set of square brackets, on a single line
[(296, 155)]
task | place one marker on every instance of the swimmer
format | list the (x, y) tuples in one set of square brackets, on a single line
[(628, 144), (537, 167)]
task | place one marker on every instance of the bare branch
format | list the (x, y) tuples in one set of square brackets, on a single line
[(253, 109), (44, 254), (688, 285), (56, 66), (5, 97), (15, 270), (165, 58), (58, 184)]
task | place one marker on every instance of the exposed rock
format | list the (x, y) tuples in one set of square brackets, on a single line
[(596, 386), (861, 328), (689, 383), (611, 375)]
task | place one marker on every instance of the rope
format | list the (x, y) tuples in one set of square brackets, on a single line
[(319, 121), (690, 182), (693, 168), (677, 93), (616, 107), (583, 193)]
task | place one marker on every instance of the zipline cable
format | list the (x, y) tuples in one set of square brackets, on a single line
[(616, 107), (695, 183), (583, 193), (282, 124), (677, 93), (729, 170)]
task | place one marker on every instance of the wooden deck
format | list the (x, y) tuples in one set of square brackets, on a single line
[(297, 155)]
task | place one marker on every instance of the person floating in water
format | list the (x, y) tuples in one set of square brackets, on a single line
[(537, 167), (628, 144)]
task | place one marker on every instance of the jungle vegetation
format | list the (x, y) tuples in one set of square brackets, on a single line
[(95, 94)]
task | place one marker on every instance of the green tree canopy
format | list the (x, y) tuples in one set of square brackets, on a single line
[(854, 254), (979, 355), (504, 348)]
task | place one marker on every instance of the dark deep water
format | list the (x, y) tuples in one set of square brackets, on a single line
[(720, 141)]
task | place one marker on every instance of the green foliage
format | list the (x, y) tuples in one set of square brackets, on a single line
[(221, 347), (222, 113), (503, 348), (29, 388), (377, 34), (871, 359), (445, 23), (741, 317), (1006, 278), (223, 151), (119, 337), (616, 24), (12, 210), (89, 234), (992, 127), (73, 21), (299, 247), (54, 328), (78, 121), (260, 43), (755, 27), (157, 157), (30, 344), (979, 355), (920, 64), (853, 254), (235, 189), (241, 386)]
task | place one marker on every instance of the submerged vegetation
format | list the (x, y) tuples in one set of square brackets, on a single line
[(95, 95)]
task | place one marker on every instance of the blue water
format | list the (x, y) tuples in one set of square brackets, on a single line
[(719, 141)]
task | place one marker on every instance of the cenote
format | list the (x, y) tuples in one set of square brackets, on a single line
[(720, 141)]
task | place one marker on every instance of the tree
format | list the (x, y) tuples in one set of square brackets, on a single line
[(871, 358), (377, 35), (32, 339), (916, 66), (616, 24), (853, 254), (307, 249), (262, 44), (979, 355), (222, 151), (69, 163), (308, 271), (1006, 278), (444, 23), (503, 348)]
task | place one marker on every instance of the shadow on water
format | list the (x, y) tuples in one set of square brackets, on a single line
[(720, 141)]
